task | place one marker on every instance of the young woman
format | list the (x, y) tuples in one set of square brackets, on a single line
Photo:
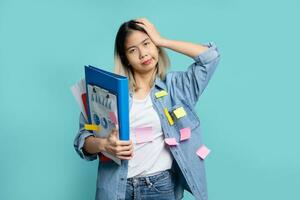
[(161, 107)]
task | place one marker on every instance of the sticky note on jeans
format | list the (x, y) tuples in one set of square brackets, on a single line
[(202, 152), (185, 134), (179, 112), (171, 141), (143, 134), (161, 94), (91, 127)]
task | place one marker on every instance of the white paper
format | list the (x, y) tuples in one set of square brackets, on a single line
[(101, 103), (77, 90)]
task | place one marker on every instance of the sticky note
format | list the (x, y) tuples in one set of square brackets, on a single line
[(179, 112), (185, 134), (171, 141), (161, 94), (171, 122), (143, 134), (91, 127), (113, 117), (202, 152)]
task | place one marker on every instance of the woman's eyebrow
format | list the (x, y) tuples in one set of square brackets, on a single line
[(138, 44)]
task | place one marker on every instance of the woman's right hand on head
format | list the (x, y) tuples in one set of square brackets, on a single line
[(121, 149)]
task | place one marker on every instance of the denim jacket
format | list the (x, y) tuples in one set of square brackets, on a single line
[(184, 89)]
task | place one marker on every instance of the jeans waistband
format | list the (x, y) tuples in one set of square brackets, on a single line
[(149, 175)]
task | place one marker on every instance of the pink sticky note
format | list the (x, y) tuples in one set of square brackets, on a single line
[(203, 151), (171, 141), (143, 134), (113, 118), (185, 134)]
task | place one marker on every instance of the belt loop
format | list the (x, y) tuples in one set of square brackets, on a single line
[(148, 182)]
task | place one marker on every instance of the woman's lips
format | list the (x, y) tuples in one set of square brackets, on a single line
[(147, 62)]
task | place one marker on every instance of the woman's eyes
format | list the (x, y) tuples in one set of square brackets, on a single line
[(133, 50)]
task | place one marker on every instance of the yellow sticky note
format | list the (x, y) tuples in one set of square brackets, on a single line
[(179, 112), (171, 122), (161, 94), (91, 127)]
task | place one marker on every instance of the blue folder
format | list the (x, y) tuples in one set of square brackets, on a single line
[(115, 84)]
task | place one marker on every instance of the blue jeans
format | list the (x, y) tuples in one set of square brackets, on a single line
[(156, 187)]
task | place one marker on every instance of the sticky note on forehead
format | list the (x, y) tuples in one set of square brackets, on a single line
[(91, 127), (179, 112), (160, 94)]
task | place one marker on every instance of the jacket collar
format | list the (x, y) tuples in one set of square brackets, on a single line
[(157, 83)]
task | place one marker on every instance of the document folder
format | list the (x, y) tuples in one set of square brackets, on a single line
[(115, 88)]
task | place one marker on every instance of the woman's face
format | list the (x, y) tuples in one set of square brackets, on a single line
[(141, 52)]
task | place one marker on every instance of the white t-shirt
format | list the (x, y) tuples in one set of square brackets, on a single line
[(152, 156)]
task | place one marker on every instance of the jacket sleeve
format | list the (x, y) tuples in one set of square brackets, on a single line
[(191, 83), (80, 139)]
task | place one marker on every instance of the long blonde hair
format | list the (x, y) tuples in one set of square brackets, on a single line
[(122, 66)]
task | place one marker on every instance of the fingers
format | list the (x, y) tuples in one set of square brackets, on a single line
[(121, 149), (124, 148), (142, 20), (123, 142), (125, 153), (125, 157)]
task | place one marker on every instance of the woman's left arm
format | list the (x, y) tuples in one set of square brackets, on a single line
[(186, 48), (192, 82)]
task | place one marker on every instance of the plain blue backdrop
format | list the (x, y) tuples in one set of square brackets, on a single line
[(249, 112)]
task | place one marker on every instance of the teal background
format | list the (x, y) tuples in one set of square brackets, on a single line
[(249, 112)]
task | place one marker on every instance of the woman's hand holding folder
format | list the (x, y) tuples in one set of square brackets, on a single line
[(121, 149), (111, 144)]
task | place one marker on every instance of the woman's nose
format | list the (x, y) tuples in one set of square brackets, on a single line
[(143, 53)]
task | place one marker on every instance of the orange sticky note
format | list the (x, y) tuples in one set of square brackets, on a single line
[(171, 141), (143, 134), (185, 134), (91, 127), (203, 151)]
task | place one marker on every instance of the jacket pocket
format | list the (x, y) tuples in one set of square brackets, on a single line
[(184, 116)]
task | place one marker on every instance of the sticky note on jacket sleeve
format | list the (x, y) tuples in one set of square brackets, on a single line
[(171, 141), (160, 94), (179, 112), (91, 127), (202, 152)]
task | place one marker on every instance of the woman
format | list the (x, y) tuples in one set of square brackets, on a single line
[(156, 163)]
